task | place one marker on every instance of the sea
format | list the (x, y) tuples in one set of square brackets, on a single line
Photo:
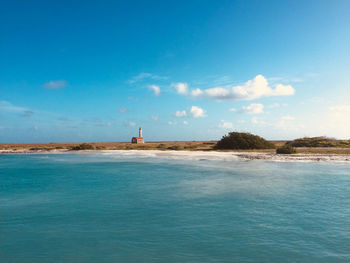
[(105, 207)]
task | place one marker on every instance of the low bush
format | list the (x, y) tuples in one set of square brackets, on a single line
[(319, 142), (174, 147), (83, 146), (101, 147), (286, 149), (243, 141)]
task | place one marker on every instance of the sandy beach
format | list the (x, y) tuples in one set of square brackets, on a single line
[(199, 155)]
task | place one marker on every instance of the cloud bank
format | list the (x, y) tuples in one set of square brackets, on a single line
[(252, 89)]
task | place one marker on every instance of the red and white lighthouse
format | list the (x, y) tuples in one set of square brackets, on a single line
[(138, 139)]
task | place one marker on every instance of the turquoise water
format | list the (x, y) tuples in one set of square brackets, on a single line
[(107, 208)]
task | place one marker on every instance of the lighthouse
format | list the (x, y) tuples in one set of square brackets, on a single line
[(138, 139)]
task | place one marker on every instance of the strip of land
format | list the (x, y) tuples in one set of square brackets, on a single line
[(197, 149)]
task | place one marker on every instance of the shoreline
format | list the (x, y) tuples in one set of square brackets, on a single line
[(200, 155)]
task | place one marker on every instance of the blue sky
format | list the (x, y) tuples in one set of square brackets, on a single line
[(182, 70)]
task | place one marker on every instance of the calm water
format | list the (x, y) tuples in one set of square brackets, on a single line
[(105, 208)]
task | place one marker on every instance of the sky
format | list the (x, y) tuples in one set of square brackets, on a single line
[(78, 71)]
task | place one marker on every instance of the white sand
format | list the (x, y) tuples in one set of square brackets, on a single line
[(214, 155), (204, 155)]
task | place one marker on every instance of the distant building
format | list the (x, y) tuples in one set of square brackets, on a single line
[(138, 139)]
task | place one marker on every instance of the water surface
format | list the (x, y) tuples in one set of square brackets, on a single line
[(112, 208)]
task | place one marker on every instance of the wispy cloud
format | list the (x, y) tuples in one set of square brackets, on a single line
[(257, 121), (254, 108), (130, 123), (193, 112), (252, 89), (98, 122), (6, 106), (225, 125), (288, 123), (181, 88), (123, 110), (9, 107), (144, 76), (27, 113), (180, 113), (197, 112), (155, 89), (287, 118), (172, 122), (55, 84), (340, 108), (274, 105)]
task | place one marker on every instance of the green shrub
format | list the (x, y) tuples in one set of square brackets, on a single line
[(319, 142), (244, 141), (101, 147), (190, 146), (174, 147), (286, 149), (83, 146)]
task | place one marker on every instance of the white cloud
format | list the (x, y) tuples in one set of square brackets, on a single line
[(9, 107), (254, 108), (172, 122), (252, 89), (197, 112), (143, 76), (283, 90), (185, 122), (288, 123), (181, 88), (197, 93), (154, 117), (193, 112), (340, 108), (130, 123), (225, 124), (232, 109), (335, 122), (274, 105), (123, 110), (180, 114), (55, 84), (256, 120), (6, 106), (155, 89), (288, 118)]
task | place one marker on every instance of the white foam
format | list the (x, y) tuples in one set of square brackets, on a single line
[(226, 156)]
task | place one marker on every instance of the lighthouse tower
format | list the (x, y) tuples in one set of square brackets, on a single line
[(138, 139)]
